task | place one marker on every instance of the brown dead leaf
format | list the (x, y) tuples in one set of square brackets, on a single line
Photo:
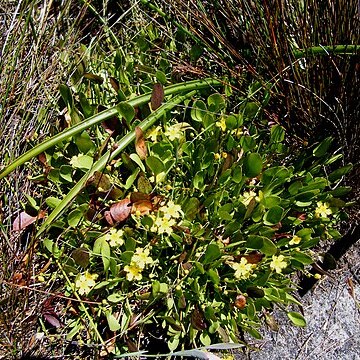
[(142, 206), (240, 301), (140, 144), (100, 181), (118, 212), (23, 220), (157, 96), (115, 84), (253, 257), (139, 196), (198, 319)]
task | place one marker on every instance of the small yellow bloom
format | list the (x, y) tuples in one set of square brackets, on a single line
[(133, 272), (163, 225), (317, 276), (237, 132), (278, 263), (114, 237), (85, 282), (217, 156), (221, 124), (295, 240), (227, 357), (141, 258), (176, 131), (171, 210), (154, 133), (248, 196), (243, 269), (322, 210), (224, 154)]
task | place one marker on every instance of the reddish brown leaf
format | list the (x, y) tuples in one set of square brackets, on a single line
[(100, 181), (253, 257), (52, 320), (92, 77), (240, 301), (142, 206), (112, 126), (115, 84), (118, 212), (157, 96), (139, 196), (198, 320), (81, 257), (140, 144), (23, 220)]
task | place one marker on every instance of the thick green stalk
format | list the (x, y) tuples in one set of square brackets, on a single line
[(102, 116), (325, 50), (108, 156)]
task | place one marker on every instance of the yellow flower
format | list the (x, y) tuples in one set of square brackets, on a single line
[(221, 124), (85, 282), (227, 357), (243, 269), (177, 131), (278, 263), (217, 156), (141, 258), (171, 210), (295, 240), (248, 196), (163, 225), (317, 276), (114, 237), (133, 272), (322, 210), (154, 133), (237, 132), (224, 154)]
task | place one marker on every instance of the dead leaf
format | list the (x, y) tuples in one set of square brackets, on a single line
[(81, 257), (118, 212), (140, 144), (139, 196), (157, 96), (23, 220), (240, 301), (142, 206), (115, 84), (100, 181), (254, 257), (198, 320), (93, 77)]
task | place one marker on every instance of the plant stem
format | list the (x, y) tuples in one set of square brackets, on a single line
[(326, 50)]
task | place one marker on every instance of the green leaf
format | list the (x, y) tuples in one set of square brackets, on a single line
[(66, 95), (277, 134), (191, 208), (136, 159), (155, 165), (255, 242), (212, 253), (66, 173), (52, 202), (102, 247), (214, 276), (251, 109), (115, 298), (76, 215), (198, 182), (198, 110), (216, 102), (205, 338), (127, 111), (252, 165), (83, 162), (84, 143), (247, 143), (268, 248), (112, 322), (161, 77), (273, 216), (339, 173), (130, 180), (301, 257), (296, 318), (323, 147)]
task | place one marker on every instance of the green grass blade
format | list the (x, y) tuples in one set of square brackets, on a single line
[(325, 50), (108, 156), (102, 116)]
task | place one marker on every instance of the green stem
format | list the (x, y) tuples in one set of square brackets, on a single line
[(325, 50), (102, 116), (108, 156)]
